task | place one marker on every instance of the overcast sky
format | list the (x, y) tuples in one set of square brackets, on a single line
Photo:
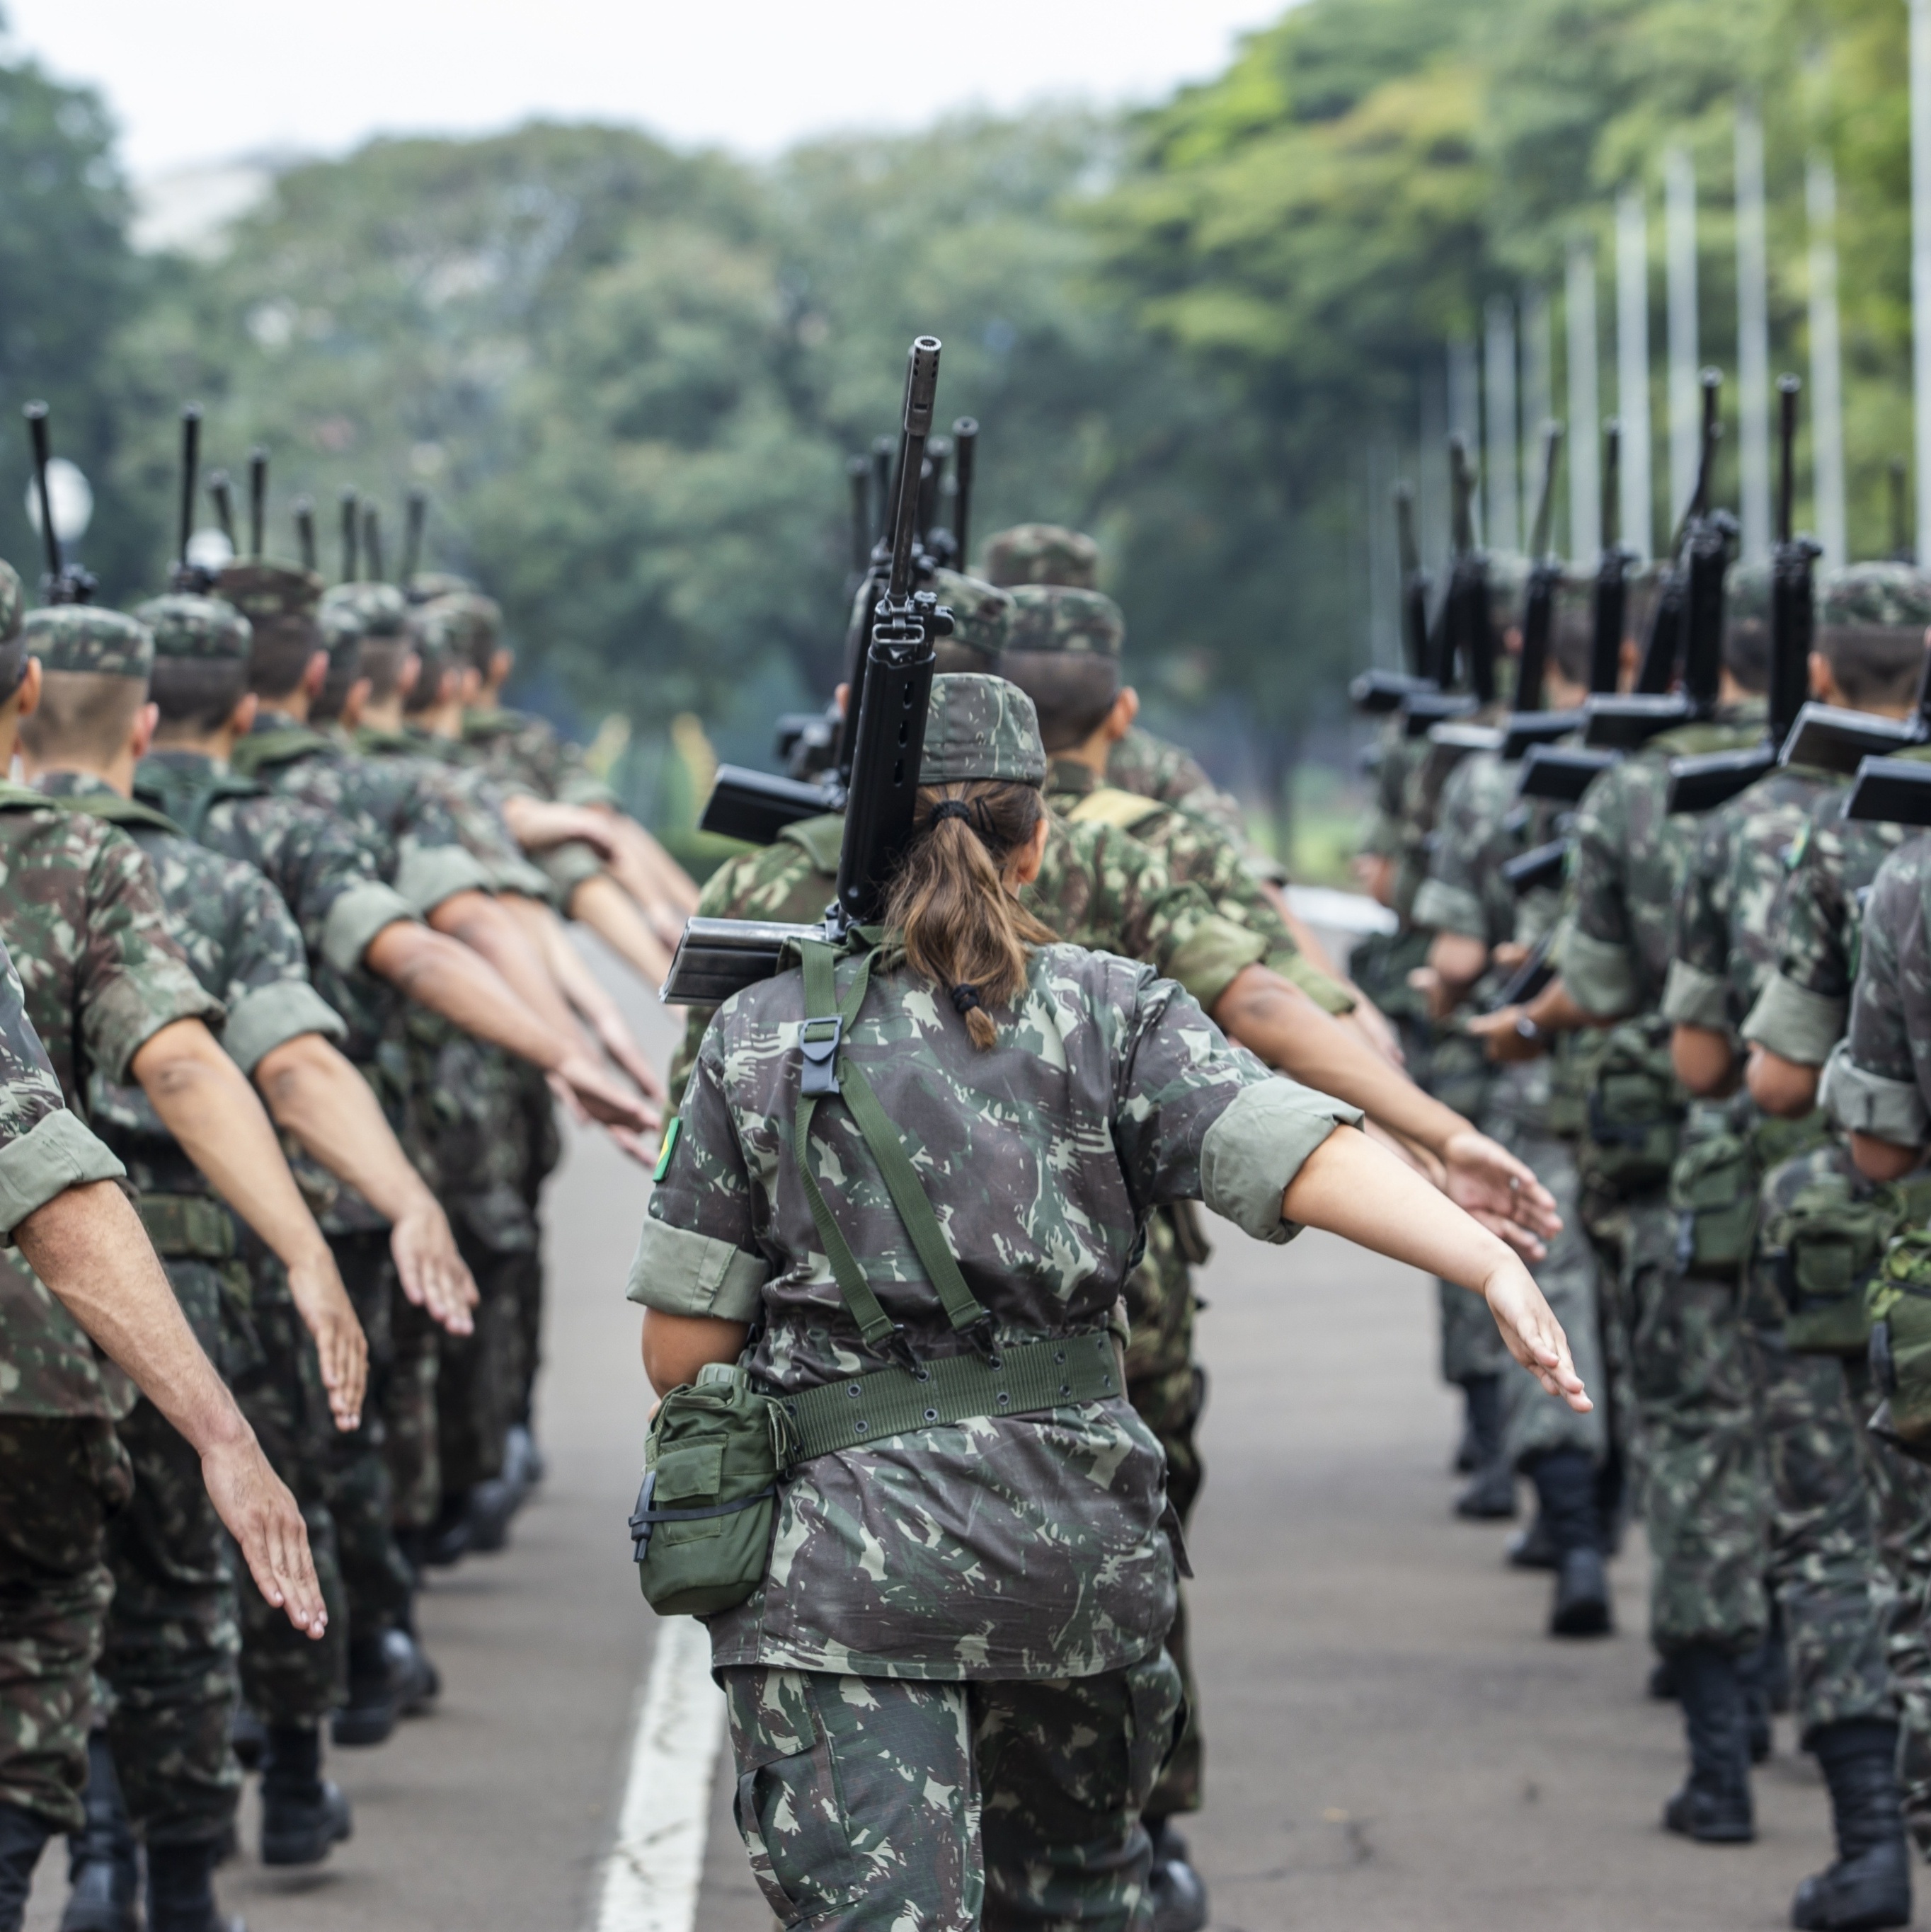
[(201, 80)]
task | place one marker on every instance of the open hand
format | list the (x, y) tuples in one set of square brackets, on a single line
[(1532, 1335), (431, 1269), (341, 1347), (261, 1516), (1486, 1180)]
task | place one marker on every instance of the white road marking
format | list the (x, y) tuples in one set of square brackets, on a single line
[(651, 1879)]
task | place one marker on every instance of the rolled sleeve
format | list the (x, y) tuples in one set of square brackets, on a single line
[(1329, 994), (124, 1016), (1796, 1024), (1256, 1146), (268, 1017), (1212, 956), (1446, 908), (428, 874), (56, 1154), (680, 1273), (1693, 998), (1864, 1102), (356, 918), (568, 865), (1600, 975)]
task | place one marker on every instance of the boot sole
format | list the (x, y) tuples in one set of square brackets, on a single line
[(98, 1918), (308, 1847), (358, 1729), (1581, 1620)]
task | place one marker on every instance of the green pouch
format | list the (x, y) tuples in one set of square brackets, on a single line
[(1635, 1113), (702, 1531), (1827, 1246), (1899, 1302), (1712, 1187)]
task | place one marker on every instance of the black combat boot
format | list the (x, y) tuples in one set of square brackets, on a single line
[(247, 1737), (103, 1869), (181, 1891), (447, 1540), (1565, 1480), (1533, 1548), (1179, 1895), (303, 1813), (23, 1836), (1713, 1807), (370, 1714), (492, 1502), (1757, 1669), (416, 1680), (522, 1461), (1870, 1884), (1492, 1496)]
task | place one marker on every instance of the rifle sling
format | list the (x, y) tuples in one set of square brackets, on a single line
[(826, 1021)]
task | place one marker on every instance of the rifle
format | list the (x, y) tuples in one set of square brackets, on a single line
[(1611, 597), (351, 571), (417, 517), (1529, 723), (223, 497), (858, 474), (883, 448), (258, 463), (937, 540), (64, 583), (1533, 975), (1467, 634), (965, 456), (304, 508), (716, 957), (1376, 693), (183, 575), (372, 543)]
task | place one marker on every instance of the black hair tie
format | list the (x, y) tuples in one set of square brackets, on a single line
[(952, 808), (964, 998)]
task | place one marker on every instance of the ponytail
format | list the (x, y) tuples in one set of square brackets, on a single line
[(949, 905)]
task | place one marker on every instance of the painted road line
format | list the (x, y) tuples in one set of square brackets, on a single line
[(651, 1879)]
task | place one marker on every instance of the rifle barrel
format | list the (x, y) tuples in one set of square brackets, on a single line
[(921, 388), (884, 451), (417, 517), (1539, 541), (965, 451), (304, 508), (372, 543), (1612, 484), (351, 569), (858, 473), (1788, 388), (190, 474), (224, 500), (258, 464), (36, 414)]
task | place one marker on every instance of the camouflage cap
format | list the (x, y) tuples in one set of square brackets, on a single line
[(981, 727), (13, 602), (263, 591), (1059, 617), (463, 625), (426, 584), (1876, 596), (84, 637), (1747, 594), (1040, 553), (186, 626), (982, 614), (375, 610)]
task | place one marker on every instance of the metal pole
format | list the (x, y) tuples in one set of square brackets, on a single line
[(1753, 435), (1500, 491), (1632, 370), (1827, 399), (1585, 411), (1921, 257), (1685, 397)]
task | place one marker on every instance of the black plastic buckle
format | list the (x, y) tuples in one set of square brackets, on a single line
[(820, 1076), (641, 1520)]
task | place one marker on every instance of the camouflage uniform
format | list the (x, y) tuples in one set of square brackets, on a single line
[(1823, 1560), (100, 976), (850, 1598), (1529, 1108), (1695, 1435)]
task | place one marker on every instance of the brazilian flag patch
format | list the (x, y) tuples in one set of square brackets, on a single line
[(669, 1147)]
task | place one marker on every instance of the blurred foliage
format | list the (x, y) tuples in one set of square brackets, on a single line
[(629, 377)]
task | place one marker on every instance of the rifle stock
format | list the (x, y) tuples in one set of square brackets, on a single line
[(1894, 791)]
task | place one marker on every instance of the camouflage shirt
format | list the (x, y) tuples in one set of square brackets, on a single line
[(1481, 824), (244, 947), (1140, 763), (1801, 1013), (1877, 1079), (1098, 887), (1726, 949), (100, 977), (525, 753), (1008, 1547), (1628, 861)]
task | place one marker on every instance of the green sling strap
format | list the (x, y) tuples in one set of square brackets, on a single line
[(828, 1073)]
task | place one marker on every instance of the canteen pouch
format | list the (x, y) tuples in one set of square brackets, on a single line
[(702, 1531), (1898, 1301), (1635, 1114), (1712, 1187), (1828, 1246)]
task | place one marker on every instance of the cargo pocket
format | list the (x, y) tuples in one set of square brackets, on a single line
[(1157, 1719), (1712, 1187), (792, 1820)]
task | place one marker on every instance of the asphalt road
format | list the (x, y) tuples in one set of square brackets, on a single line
[(1393, 1743)]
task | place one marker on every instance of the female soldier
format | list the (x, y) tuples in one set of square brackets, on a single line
[(948, 1698)]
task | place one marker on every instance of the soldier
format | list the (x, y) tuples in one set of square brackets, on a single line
[(114, 998), (1824, 1559), (1482, 930), (1703, 1488), (1015, 1728)]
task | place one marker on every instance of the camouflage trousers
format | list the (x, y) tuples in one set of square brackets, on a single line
[(875, 1804), (376, 1582), (1168, 1390), (1824, 1564), (484, 1376), (60, 1479), (287, 1678), (1705, 1496)]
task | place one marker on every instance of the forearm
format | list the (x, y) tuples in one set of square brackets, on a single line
[(601, 904), (677, 1346), (317, 1095), (565, 964), (1785, 1088), (205, 1101), (489, 930), (448, 978), (1555, 1010), (1883, 1160), (1285, 1028), (89, 1246), (1704, 1059), (1354, 1189)]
